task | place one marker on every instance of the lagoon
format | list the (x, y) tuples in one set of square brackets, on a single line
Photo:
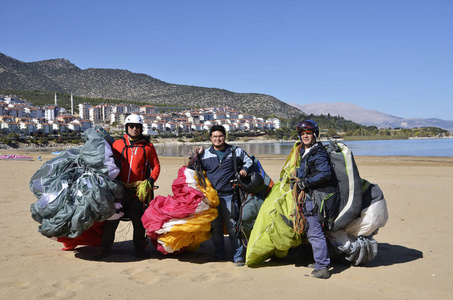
[(442, 147)]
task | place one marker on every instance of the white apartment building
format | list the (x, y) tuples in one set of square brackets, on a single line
[(220, 115), (10, 126), (158, 125), (95, 114), (171, 126), (84, 111), (33, 112), (44, 127), (106, 111), (148, 110), (119, 109), (197, 127), (229, 127), (74, 126), (51, 112), (185, 127), (276, 122), (27, 127)]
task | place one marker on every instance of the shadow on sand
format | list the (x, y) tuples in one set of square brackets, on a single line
[(387, 255), (393, 254), (123, 252)]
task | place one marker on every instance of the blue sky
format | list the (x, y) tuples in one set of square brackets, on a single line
[(393, 56)]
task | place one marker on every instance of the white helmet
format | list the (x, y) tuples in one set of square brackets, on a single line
[(134, 119)]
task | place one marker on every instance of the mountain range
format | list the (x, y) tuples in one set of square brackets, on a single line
[(370, 117), (62, 76)]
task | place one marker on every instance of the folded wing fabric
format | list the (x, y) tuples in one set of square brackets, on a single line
[(77, 187), (181, 221)]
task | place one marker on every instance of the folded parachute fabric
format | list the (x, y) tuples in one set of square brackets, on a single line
[(90, 237), (355, 243), (182, 221), (357, 250), (76, 188), (272, 233), (374, 214)]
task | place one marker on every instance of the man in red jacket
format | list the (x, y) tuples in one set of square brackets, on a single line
[(139, 162)]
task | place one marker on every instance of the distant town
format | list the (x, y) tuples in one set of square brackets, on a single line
[(20, 116)]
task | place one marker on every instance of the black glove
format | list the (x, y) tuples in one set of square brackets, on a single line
[(302, 185), (151, 181)]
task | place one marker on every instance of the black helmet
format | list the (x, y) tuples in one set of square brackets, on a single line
[(253, 183), (307, 125)]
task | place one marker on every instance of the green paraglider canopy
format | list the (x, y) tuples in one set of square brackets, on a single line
[(77, 188)]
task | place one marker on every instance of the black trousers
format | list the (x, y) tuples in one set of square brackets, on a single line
[(133, 210)]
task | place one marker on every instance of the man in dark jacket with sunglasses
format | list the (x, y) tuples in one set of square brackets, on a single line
[(139, 161)]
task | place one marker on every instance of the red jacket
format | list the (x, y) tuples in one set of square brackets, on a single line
[(139, 161)]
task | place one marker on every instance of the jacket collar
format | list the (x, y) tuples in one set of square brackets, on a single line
[(128, 141)]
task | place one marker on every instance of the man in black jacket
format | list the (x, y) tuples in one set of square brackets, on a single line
[(218, 163), (317, 180)]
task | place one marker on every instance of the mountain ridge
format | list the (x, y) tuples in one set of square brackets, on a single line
[(60, 75), (371, 117)]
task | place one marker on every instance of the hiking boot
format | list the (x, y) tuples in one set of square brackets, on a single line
[(313, 265), (321, 273), (240, 263), (105, 252)]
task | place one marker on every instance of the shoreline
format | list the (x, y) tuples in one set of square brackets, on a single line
[(48, 151), (46, 154), (59, 147)]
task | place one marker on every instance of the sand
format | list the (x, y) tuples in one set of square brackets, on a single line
[(415, 258)]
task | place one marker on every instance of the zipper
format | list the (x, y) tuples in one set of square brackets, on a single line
[(133, 153)]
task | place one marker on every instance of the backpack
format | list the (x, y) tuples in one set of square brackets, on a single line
[(325, 199), (349, 184), (337, 210)]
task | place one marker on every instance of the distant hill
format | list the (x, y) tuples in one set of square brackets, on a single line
[(370, 117), (61, 76)]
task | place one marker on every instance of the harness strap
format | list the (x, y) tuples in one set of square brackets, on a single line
[(298, 216), (145, 161), (239, 193)]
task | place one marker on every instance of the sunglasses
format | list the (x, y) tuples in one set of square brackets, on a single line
[(307, 132), (137, 126)]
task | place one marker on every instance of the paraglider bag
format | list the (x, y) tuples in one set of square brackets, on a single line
[(235, 204), (245, 205)]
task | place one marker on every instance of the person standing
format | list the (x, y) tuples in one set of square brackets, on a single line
[(218, 163), (315, 176), (139, 161)]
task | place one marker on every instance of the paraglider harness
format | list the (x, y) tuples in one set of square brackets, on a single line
[(144, 194), (326, 204), (248, 197)]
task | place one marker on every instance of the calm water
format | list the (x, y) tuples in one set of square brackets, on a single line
[(415, 147)]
